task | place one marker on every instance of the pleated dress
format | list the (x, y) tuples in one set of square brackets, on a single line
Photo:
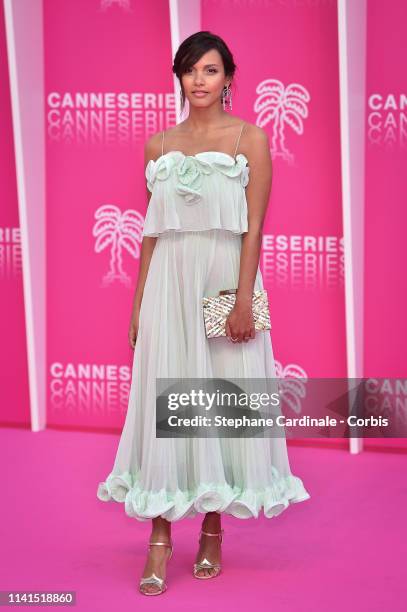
[(198, 212)]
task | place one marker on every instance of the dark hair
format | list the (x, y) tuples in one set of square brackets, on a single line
[(192, 49)]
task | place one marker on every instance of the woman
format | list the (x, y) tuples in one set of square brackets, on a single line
[(202, 233)]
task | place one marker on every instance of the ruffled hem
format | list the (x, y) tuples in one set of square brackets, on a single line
[(241, 503)]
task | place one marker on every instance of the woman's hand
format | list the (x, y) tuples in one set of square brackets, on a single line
[(133, 330), (240, 323)]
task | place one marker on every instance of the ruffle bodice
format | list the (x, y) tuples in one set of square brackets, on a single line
[(197, 192)]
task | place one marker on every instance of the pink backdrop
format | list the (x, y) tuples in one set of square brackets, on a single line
[(14, 399), (295, 51), (107, 90), (386, 191), (95, 160), (385, 325)]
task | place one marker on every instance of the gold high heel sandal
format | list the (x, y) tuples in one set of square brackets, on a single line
[(154, 579), (205, 564)]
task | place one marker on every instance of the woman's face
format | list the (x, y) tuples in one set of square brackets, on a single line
[(204, 82)]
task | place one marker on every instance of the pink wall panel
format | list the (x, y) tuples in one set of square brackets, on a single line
[(14, 395), (385, 323), (287, 82), (386, 191), (108, 86)]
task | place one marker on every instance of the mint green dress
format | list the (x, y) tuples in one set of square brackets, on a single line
[(198, 212)]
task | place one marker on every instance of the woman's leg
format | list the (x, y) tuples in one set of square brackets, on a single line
[(210, 547), (157, 555)]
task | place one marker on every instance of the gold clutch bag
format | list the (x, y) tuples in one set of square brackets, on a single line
[(216, 310)]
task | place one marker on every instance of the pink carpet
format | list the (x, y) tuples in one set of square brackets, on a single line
[(345, 547)]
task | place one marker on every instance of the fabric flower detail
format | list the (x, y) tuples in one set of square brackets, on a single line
[(159, 169), (235, 168), (189, 178), (244, 177)]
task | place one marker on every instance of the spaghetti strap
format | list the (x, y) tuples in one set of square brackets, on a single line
[(162, 144), (238, 140)]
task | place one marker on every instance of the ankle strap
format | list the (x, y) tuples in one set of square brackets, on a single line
[(160, 544), (213, 534)]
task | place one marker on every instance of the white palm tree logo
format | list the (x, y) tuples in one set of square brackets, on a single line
[(283, 106), (292, 386), (117, 231)]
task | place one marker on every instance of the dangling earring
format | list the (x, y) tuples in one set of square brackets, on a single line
[(227, 93)]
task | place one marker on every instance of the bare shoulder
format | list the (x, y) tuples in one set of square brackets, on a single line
[(255, 137), (255, 145), (152, 147)]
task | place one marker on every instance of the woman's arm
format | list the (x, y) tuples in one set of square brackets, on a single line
[(240, 322), (151, 151)]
